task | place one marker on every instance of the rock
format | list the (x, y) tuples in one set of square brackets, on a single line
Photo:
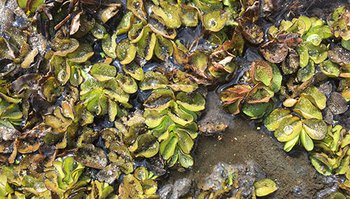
[(165, 191), (339, 55), (8, 133), (180, 188), (327, 116), (244, 175), (109, 174), (325, 88), (216, 179), (337, 104), (345, 119), (91, 156), (333, 182), (209, 123), (212, 128), (156, 166)]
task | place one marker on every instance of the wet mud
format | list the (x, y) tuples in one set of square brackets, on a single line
[(242, 144)]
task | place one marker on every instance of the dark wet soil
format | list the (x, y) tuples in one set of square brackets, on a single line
[(241, 143)]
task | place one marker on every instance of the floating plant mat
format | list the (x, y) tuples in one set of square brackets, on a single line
[(102, 99)]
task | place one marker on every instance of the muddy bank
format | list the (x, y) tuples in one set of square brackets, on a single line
[(242, 143)]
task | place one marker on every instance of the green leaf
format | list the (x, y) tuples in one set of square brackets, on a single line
[(63, 47), (288, 146), (306, 73), (288, 129), (185, 160), (168, 13), (125, 24), (146, 145), (109, 45), (137, 31), (167, 147), (126, 52), (180, 116), (61, 69), (134, 70), (315, 39), (305, 22), (33, 5), (262, 71), (146, 43), (83, 53), (112, 110), (306, 141), (336, 195), (259, 94), (99, 31), (103, 72), (255, 111), (276, 79), (345, 44), (320, 163), (5, 188), (137, 8), (193, 102), (104, 190), (95, 95), (343, 166), (153, 80), (154, 118), (307, 109), (163, 48), (275, 118), (330, 69), (304, 55), (174, 159), (127, 83), (214, 20), (318, 53), (130, 187), (315, 96), (189, 16), (22, 3), (315, 128), (185, 141), (160, 130), (159, 99), (265, 187), (318, 28)]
